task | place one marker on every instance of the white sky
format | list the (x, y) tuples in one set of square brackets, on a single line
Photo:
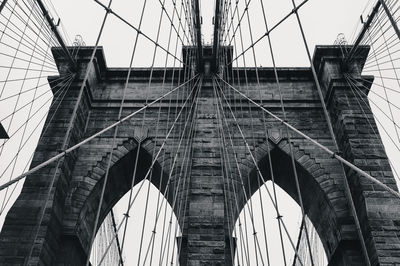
[(323, 20)]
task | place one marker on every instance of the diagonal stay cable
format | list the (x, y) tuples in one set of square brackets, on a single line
[(161, 253), (157, 123), (163, 84), (251, 155), (316, 143), (93, 235), (24, 42), (174, 162), (240, 18), (250, 114), (360, 92), (250, 209), (11, 67), (171, 168), (168, 233), (227, 162), (46, 83), (58, 94), (226, 175), (150, 169), (27, 120), (392, 120), (28, 103), (166, 249), (269, 31), (353, 87), (41, 120), (265, 126), (33, 31), (30, 62), (377, 84), (384, 86), (361, 81), (14, 29), (64, 144), (138, 30), (21, 79), (162, 3), (76, 146)]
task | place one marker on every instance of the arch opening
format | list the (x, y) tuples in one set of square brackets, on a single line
[(152, 231), (274, 244), (151, 183), (317, 187)]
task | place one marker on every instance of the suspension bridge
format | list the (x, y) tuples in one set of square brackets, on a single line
[(216, 135)]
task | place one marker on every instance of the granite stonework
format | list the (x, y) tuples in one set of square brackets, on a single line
[(66, 229)]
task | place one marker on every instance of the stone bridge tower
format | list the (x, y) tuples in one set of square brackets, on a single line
[(65, 232)]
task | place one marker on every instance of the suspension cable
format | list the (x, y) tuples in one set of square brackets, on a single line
[(251, 154), (321, 146), (152, 165)]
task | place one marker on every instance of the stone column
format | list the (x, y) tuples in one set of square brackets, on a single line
[(206, 234), (20, 234), (360, 143)]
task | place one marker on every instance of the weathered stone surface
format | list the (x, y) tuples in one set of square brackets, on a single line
[(208, 217)]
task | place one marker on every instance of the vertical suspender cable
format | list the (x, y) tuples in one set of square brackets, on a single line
[(121, 261), (329, 122), (114, 138), (67, 134), (223, 96)]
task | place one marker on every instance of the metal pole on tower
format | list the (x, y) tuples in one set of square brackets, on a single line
[(390, 16), (2, 5)]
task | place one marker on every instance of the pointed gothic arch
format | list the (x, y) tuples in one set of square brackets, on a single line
[(84, 197), (57, 240), (321, 189)]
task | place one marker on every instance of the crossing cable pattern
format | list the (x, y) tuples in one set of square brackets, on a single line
[(32, 60), (379, 27), (382, 63), (142, 125), (244, 191), (241, 55), (302, 244), (25, 95), (186, 79), (143, 119), (251, 48), (149, 171)]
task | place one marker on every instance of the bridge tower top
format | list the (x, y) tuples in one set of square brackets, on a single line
[(208, 63)]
